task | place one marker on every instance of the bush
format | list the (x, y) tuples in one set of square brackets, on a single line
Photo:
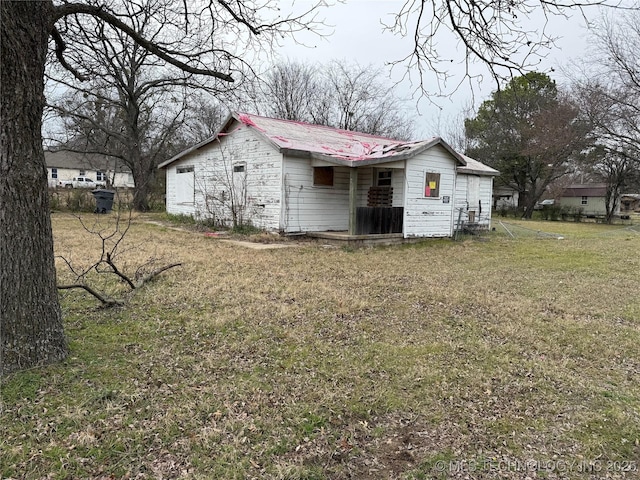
[(246, 229), (578, 214), (80, 200)]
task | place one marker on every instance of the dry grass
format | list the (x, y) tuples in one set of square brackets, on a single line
[(503, 358)]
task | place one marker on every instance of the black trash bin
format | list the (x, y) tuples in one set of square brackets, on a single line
[(104, 200)]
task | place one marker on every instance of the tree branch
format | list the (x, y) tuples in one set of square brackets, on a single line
[(155, 273), (126, 279), (64, 10), (106, 301), (60, 48)]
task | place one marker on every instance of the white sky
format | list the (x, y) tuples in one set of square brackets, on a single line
[(358, 36)]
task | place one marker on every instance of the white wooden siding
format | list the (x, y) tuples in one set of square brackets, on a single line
[(486, 199), (429, 217), (460, 213), (279, 193), (308, 208), (473, 193), (259, 186)]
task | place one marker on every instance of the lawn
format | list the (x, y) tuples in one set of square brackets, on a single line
[(494, 358)]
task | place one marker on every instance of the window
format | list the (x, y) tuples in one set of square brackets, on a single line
[(584, 200), (82, 173), (384, 178), (238, 168), (185, 169), (100, 176), (54, 173), (432, 185), (323, 176)]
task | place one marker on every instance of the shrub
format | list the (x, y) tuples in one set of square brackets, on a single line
[(80, 200)]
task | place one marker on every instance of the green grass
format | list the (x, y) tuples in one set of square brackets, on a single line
[(316, 363)]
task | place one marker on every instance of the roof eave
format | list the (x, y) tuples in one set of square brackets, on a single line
[(473, 171)]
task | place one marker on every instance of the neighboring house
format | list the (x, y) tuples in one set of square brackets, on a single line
[(294, 177), (505, 198), (630, 202), (590, 197), (63, 166)]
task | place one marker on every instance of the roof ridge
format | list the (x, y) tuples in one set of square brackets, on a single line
[(327, 127)]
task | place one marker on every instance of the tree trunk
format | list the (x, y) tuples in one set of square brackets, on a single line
[(31, 331), (144, 178)]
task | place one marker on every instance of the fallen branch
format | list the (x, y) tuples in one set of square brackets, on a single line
[(106, 301), (111, 240), (155, 273), (124, 278)]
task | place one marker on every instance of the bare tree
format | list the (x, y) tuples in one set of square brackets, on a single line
[(618, 171), (609, 92), (340, 94), (609, 98), (223, 187), (215, 38), (134, 105), (204, 119), (508, 37), (290, 91)]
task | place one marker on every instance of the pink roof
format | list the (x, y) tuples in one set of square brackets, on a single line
[(342, 147), (333, 142)]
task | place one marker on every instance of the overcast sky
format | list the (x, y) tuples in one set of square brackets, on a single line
[(358, 35)]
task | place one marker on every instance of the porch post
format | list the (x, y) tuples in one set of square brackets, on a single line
[(353, 197)]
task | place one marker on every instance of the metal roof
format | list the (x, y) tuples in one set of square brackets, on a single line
[(341, 147), (477, 168), (585, 190)]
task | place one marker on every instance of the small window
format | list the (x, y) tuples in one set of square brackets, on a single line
[(82, 173), (323, 176), (185, 169), (100, 176), (584, 200), (238, 168), (384, 178), (432, 185), (54, 173)]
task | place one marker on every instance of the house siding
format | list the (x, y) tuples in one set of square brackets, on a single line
[(213, 165), (119, 179), (474, 193), (278, 188), (429, 217), (309, 208), (594, 206)]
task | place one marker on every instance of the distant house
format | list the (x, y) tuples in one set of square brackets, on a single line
[(65, 165), (630, 202), (294, 177), (505, 198), (589, 197)]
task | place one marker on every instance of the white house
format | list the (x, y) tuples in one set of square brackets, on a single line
[(295, 177), (505, 198), (65, 165)]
